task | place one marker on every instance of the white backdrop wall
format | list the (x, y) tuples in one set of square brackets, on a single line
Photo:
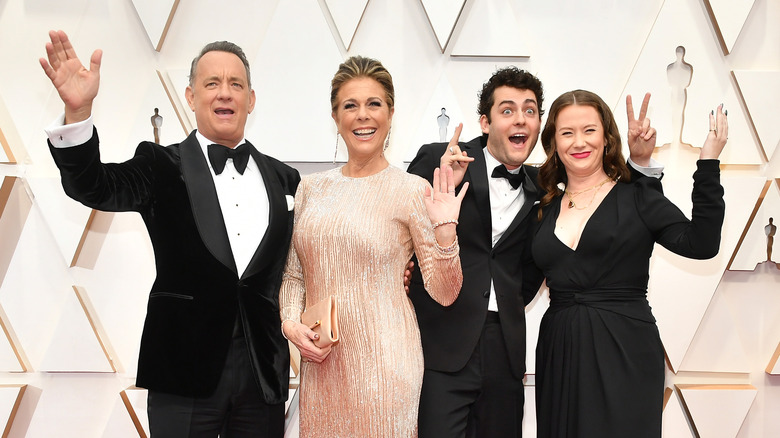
[(74, 283)]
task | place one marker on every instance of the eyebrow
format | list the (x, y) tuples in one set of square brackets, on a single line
[(512, 102)]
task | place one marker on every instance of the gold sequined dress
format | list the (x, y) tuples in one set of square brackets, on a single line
[(352, 238)]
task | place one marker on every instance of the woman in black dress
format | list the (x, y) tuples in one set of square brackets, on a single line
[(599, 359)]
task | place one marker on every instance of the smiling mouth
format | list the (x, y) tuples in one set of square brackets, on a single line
[(518, 139), (364, 133), (581, 155), (224, 112)]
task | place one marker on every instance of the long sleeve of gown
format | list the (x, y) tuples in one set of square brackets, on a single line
[(292, 295), (439, 266), (698, 237)]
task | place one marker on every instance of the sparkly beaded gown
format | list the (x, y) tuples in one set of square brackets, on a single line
[(352, 238), (599, 359)]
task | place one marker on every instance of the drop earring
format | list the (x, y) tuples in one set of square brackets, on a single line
[(336, 152), (387, 139)]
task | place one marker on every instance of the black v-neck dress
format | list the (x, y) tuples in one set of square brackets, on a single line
[(599, 359)]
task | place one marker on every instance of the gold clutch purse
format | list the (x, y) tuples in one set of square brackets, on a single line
[(323, 319)]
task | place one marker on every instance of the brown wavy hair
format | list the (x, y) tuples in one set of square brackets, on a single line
[(553, 171)]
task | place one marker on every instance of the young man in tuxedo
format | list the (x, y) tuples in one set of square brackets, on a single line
[(475, 349), (219, 215)]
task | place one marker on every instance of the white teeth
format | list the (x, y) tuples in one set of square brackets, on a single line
[(364, 131)]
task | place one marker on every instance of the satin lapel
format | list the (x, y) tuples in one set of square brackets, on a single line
[(478, 182), (204, 201), (278, 218), (531, 196)]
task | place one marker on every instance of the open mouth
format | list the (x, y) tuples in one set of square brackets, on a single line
[(518, 139), (224, 112), (364, 134)]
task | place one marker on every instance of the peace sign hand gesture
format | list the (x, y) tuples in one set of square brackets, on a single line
[(641, 136)]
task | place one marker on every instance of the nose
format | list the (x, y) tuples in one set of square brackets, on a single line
[(519, 118), (223, 91), (362, 112)]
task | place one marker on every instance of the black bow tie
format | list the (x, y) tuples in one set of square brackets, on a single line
[(515, 179), (219, 154)]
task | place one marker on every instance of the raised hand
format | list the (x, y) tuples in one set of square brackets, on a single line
[(641, 136), (443, 205), (76, 85), (717, 136), (455, 158)]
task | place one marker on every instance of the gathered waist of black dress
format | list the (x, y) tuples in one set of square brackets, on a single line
[(628, 302)]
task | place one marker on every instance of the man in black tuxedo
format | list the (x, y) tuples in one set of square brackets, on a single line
[(212, 354), (475, 349)]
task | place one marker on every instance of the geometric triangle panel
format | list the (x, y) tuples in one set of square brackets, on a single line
[(774, 362), (12, 357), (76, 344), (680, 289), (761, 244), (346, 15), (728, 17), (10, 399), (442, 16), (675, 422), (129, 416), (760, 90), (710, 83), (718, 411), (156, 16), (296, 27), (505, 39)]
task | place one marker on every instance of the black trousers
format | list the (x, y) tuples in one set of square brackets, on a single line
[(235, 410), (483, 400)]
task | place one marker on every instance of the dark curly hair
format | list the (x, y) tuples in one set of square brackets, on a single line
[(509, 77), (553, 171)]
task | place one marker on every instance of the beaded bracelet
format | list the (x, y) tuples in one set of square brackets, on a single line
[(448, 221)]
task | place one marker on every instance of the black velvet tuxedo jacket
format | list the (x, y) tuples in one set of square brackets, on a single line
[(450, 334), (197, 294)]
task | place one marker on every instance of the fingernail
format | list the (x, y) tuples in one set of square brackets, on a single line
[(712, 113), (726, 112)]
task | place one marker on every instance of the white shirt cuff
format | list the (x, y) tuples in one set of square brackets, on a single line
[(73, 134), (654, 170)]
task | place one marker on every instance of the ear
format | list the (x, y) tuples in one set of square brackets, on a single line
[(392, 111), (190, 95), (484, 124), (252, 100)]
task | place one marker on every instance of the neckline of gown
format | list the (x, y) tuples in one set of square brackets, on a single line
[(557, 212)]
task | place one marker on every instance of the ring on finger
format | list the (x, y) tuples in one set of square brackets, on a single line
[(452, 151)]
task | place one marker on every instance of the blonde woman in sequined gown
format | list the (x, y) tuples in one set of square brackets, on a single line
[(356, 228)]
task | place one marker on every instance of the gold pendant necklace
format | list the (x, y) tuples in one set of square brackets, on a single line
[(571, 195)]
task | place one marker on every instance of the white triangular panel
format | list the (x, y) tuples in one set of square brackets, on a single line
[(35, 286), (730, 16), (176, 82), (442, 15), (10, 397), (65, 217), (9, 359), (753, 249), (346, 15), (276, 126), (680, 289), (128, 418), (428, 130), (674, 422), (760, 90), (774, 362), (75, 346), (156, 15), (711, 82), (506, 37), (717, 345), (73, 404), (718, 411)]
